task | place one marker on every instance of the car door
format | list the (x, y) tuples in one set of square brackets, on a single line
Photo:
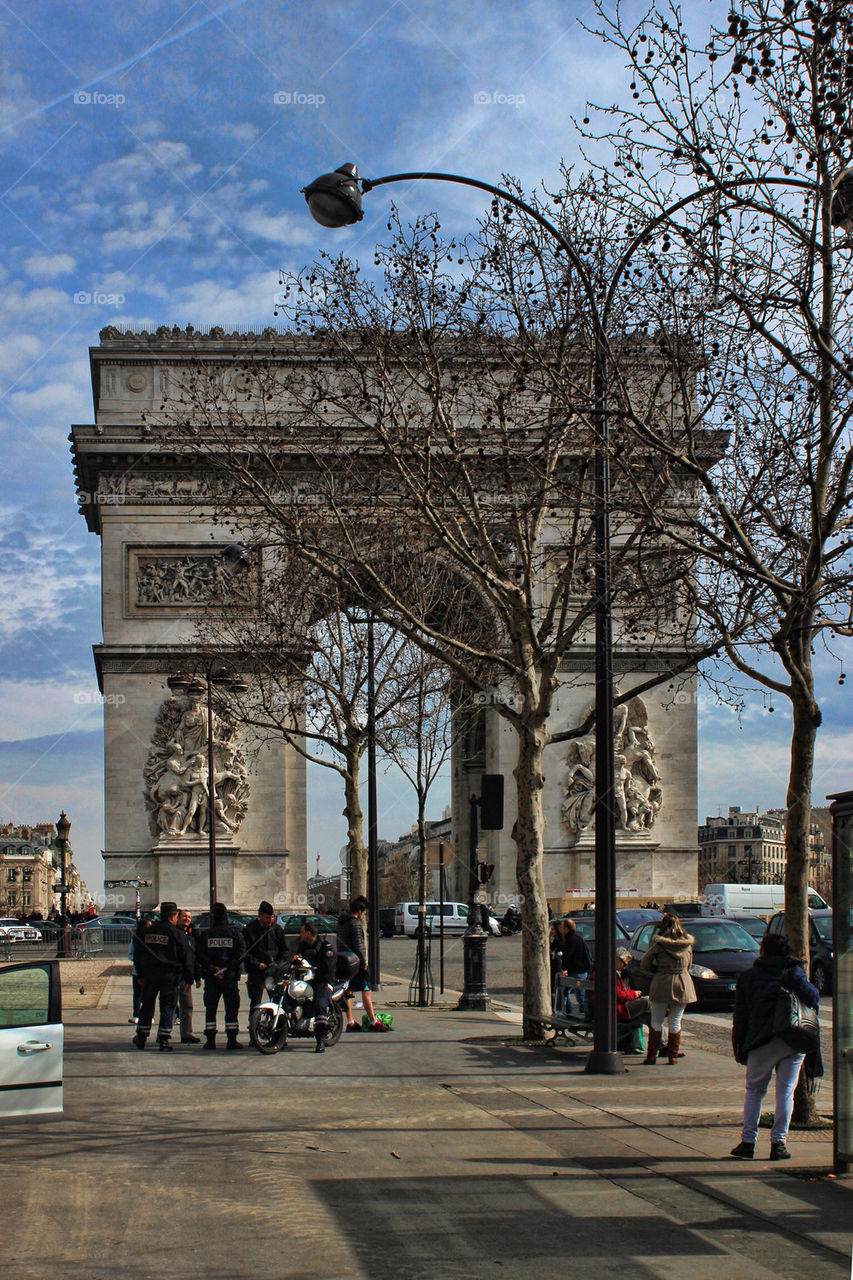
[(637, 976), (31, 1039)]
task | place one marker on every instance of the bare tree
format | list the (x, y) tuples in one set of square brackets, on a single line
[(307, 650), (440, 419), (757, 116)]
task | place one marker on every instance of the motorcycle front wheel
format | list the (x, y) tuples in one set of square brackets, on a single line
[(264, 1036), (335, 1025)]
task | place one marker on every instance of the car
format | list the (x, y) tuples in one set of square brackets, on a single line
[(754, 925), (684, 910), (585, 927), (821, 959), (293, 923), (631, 918), (109, 922), (31, 1039), (722, 950), (14, 931), (202, 921)]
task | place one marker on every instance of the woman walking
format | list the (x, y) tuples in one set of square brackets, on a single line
[(668, 960), (763, 1050)]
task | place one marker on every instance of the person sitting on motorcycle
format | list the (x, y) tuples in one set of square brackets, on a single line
[(319, 953)]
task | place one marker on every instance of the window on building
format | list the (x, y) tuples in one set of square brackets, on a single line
[(732, 851), (27, 901), (11, 873)]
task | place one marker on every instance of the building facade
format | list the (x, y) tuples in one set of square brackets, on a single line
[(742, 848), (29, 868), (158, 513)]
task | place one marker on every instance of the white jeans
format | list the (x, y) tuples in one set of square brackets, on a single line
[(659, 1013), (759, 1068)]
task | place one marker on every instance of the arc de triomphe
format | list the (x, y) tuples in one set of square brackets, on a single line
[(161, 556)]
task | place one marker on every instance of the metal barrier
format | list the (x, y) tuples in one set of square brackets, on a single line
[(64, 942)]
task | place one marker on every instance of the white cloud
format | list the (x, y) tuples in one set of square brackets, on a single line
[(278, 228), (44, 266), (239, 132), (36, 708)]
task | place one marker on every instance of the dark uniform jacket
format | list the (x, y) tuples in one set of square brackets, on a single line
[(263, 946), (755, 1000), (221, 946), (163, 946), (321, 955)]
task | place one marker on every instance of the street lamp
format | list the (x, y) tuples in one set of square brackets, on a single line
[(63, 826), (334, 200), (198, 688)]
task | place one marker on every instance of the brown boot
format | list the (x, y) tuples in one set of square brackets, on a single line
[(672, 1047), (652, 1051)]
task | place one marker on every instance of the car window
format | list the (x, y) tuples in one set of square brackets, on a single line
[(815, 903), (822, 926), (24, 997), (721, 936), (644, 937), (462, 910), (775, 925)]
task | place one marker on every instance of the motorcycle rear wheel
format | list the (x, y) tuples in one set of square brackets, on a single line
[(335, 1025), (261, 1033)]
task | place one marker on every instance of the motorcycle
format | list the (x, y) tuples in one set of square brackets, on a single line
[(511, 921), (282, 1013)]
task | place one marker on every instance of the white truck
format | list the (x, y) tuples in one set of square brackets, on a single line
[(750, 900)]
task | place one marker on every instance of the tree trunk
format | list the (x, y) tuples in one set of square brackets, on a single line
[(806, 720), (422, 889), (356, 848), (528, 834)]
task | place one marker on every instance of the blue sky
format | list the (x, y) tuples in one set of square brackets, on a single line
[(152, 156)]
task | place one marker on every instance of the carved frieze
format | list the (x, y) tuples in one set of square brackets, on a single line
[(190, 579)]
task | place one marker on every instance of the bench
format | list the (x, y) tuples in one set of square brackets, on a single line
[(577, 1028)]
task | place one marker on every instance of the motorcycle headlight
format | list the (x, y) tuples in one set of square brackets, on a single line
[(269, 983), (300, 990), (699, 971)]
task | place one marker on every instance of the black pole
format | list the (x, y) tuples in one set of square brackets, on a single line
[(372, 851), (474, 993), (604, 1059), (211, 809)]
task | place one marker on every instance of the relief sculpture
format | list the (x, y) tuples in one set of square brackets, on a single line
[(176, 771), (190, 580), (639, 794)]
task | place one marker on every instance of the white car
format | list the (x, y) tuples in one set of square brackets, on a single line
[(31, 1039), (12, 931)]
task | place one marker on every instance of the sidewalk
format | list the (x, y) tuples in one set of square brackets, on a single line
[(444, 1150)]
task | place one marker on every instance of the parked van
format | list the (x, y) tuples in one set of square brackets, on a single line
[(406, 917), (750, 899)]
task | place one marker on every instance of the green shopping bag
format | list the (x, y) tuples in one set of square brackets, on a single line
[(387, 1020)]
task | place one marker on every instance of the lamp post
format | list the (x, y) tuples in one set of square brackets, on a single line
[(198, 688), (63, 826), (334, 200)]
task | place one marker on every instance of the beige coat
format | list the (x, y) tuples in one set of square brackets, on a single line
[(668, 960)]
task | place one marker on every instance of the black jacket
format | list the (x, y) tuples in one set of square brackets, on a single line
[(221, 946), (351, 934), (576, 957), (263, 946), (163, 946), (755, 1001), (320, 954)]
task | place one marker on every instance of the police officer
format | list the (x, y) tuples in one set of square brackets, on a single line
[(162, 959), (219, 951), (321, 955), (266, 944)]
